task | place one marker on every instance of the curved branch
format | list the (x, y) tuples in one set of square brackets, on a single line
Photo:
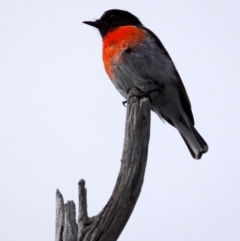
[(109, 223)]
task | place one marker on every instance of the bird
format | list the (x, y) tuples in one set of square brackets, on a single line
[(134, 57)]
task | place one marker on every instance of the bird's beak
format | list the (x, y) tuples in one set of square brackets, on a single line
[(96, 24)]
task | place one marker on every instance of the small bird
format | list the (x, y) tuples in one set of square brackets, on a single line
[(134, 57)]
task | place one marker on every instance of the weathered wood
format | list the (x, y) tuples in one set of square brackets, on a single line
[(109, 223), (70, 225), (59, 217)]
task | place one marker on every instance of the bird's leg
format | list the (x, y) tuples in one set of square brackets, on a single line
[(158, 89)]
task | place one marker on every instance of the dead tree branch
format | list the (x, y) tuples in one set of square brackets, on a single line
[(109, 223)]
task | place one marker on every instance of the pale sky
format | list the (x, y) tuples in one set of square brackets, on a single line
[(61, 119)]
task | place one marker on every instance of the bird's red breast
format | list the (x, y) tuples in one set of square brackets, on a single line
[(118, 40)]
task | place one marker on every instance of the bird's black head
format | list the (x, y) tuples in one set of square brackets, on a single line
[(112, 19)]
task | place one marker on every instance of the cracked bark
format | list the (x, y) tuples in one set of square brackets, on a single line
[(109, 223)]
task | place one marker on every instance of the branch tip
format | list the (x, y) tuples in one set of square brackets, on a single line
[(81, 183)]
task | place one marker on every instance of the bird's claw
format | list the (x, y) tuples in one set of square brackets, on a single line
[(124, 103), (145, 94)]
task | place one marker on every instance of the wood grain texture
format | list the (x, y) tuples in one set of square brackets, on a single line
[(70, 225), (59, 217), (109, 223)]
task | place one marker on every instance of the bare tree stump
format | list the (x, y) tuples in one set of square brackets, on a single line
[(109, 223)]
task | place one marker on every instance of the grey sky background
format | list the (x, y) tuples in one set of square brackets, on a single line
[(61, 119)]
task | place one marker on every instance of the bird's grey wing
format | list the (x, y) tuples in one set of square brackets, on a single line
[(183, 93)]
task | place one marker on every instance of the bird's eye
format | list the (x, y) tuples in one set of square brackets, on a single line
[(113, 16)]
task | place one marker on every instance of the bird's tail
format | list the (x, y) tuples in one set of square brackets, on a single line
[(195, 143)]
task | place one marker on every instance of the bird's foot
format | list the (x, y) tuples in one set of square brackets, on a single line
[(145, 94), (141, 96)]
